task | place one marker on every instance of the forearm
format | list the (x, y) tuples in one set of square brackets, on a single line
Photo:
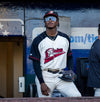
[(38, 72), (70, 63)]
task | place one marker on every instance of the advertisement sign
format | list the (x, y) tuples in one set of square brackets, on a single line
[(83, 37)]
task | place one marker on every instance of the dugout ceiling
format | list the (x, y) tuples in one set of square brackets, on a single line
[(54, 4)]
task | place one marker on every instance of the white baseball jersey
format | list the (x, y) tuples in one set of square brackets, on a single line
[(51, 53)]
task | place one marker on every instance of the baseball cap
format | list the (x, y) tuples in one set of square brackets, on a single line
[(51, 13)]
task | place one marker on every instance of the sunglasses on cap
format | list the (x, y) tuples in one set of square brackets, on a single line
[(52, 18)]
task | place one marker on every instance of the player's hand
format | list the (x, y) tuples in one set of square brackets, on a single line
[(44, 88)]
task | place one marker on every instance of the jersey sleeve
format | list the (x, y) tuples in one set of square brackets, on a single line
[(38, 72), (34, 52), (35, 57), (70, 63)]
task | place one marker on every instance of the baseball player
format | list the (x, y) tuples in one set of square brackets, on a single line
[(50, 52)]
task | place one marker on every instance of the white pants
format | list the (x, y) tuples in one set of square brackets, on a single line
[(97, 92), (67, 88)]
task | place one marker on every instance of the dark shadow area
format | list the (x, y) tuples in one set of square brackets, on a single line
[(82, 75), (54, 4)]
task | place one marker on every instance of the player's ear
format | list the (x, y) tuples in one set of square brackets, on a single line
[(58, 22)]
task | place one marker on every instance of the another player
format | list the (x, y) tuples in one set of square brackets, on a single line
[(94, 66), (50, 52)]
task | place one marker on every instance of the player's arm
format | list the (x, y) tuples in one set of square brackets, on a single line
[(70, 63), (44, 88), (37, 69), (35, 57)]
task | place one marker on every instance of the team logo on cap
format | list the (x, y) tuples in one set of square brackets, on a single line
[(50, 12)]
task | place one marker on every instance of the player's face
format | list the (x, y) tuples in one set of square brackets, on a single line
[(51, 22)]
